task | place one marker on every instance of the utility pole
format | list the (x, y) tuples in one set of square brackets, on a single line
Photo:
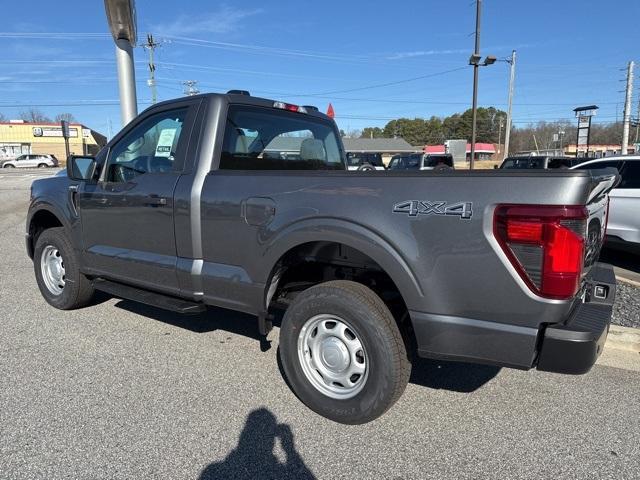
[(474, 107), (151, 46), (637, 127), (500, 125), (512, 78), (190, 87), (627, 109)]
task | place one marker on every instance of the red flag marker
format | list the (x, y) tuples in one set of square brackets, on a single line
[(330, 112)]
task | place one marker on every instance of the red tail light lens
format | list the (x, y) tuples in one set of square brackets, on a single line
[(545, 244)]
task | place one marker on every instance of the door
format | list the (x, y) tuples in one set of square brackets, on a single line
[(127, 216)]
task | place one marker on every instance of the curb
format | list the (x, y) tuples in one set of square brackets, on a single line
[(623, 338), (627, 281)]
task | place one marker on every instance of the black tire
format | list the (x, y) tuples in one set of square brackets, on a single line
[(77, 291), (42, 165), (387, 361), (9, 166)]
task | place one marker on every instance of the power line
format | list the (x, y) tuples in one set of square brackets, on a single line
[(388, 84)]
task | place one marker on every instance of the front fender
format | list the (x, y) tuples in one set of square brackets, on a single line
[(351, 234)]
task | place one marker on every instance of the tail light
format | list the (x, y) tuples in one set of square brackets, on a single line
[(545, 244)]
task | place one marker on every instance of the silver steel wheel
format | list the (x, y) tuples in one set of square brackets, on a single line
[(332, 357), (52, 268)]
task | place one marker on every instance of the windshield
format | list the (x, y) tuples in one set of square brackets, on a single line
[(258, 138)]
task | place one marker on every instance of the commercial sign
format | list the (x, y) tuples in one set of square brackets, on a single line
[(53, 132)]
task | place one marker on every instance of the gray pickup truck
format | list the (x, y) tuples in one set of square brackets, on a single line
[(246, 203)]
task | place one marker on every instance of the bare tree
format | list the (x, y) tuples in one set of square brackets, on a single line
[(2, 117), (66, 116), (34, 115)]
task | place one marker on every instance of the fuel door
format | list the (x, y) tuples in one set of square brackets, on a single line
[(258, 211)]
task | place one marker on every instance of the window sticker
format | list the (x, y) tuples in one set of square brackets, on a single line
[(165, 142)]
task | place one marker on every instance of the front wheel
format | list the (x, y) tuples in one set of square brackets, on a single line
[(342, 352), (57, 271), (42, 165), (8, 165)]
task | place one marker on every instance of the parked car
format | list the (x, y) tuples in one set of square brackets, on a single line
[(32, 160), (497, 269), (364, 161), (540, 162), (422, 161), (624, 209)]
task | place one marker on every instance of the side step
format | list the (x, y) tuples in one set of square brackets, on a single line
[(154, 299)]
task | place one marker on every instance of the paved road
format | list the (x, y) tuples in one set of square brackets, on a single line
[(124, 391)]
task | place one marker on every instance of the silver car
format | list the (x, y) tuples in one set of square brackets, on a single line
[(624, 219), (32, 160)]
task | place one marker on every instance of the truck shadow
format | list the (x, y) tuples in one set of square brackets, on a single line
[(254, 457), (436, 374)]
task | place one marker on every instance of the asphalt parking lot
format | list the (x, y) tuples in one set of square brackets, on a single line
[(120, 390)]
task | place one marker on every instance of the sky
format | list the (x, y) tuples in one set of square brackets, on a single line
[(374, 61)]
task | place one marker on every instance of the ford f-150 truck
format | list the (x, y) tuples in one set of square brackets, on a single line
[(199, 201)]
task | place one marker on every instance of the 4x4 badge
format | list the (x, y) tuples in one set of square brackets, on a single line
[(419, 207)]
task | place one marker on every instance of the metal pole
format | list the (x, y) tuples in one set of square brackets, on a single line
[(126, 81), (512, 78), (627, 110), (586, 154), (474, 106)]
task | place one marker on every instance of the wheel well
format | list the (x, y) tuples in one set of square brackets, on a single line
[(316, 262), (41, 221)]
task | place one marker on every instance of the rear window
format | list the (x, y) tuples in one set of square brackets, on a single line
[(258, 138), (560, 163), (435, 160), (523, 162)]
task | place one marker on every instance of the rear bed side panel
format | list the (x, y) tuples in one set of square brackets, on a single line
[(456, 267)]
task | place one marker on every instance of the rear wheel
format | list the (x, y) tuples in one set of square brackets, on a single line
[(58, 273), (8, 165), (342, 352), (42, 165)]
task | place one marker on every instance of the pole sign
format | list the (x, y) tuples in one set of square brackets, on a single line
[(584, 114)]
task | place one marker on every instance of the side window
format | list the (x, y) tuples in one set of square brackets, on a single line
[(630, 175), (258, 138), (151, 147), (597, 165)]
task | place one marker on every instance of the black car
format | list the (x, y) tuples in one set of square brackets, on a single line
[(422, 161), (364, 161)]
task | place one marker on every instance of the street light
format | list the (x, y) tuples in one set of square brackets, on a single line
[(121, 16), (475, 61)]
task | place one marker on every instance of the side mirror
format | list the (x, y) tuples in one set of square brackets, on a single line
[(80, 167)]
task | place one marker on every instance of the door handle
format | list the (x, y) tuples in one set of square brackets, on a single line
[(102, 200), (155, 200)]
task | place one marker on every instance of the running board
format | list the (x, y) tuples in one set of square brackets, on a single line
[(154, 299)]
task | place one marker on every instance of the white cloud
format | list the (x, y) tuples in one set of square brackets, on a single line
[(223, 20), (423, 53)]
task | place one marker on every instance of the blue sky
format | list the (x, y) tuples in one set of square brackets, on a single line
[(570, 53)]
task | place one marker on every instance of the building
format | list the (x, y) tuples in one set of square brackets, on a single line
[(387, 147), (18, 137), (596, 150), (484, 151)]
